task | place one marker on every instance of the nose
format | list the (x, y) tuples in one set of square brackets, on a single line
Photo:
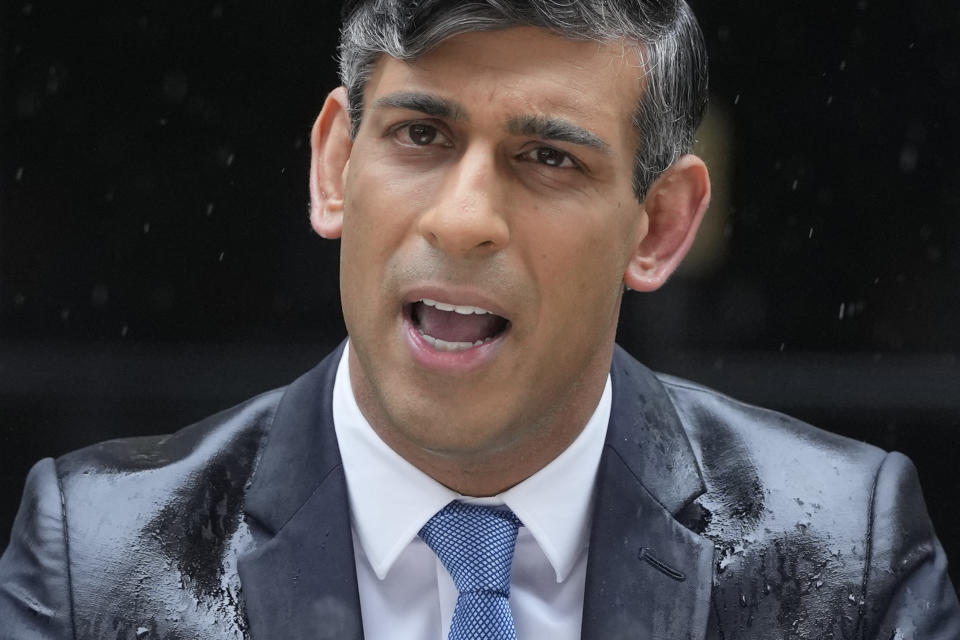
[(467, 219)]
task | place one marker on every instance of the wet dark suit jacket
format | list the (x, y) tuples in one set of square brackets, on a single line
[(713, 520)]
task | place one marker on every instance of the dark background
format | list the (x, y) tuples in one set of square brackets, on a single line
[(156, 262)]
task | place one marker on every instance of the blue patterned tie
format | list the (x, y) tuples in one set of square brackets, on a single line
[(476, 544)]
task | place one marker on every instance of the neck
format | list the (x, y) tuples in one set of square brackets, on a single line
[(492, 468)]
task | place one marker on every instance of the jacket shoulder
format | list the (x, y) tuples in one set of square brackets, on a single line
[(154, 525), (768, 472), (726, 432), (815, 534)]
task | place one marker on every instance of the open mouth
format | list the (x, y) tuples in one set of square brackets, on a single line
[(450, 327)]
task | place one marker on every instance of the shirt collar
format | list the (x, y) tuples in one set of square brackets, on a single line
[(391, 500)]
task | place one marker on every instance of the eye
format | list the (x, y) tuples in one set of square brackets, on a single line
[(420, 134), (551, 157)]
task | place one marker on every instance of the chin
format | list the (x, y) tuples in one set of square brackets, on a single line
[(455, 436)]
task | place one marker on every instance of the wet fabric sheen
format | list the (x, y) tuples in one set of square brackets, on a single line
[(713, 519)]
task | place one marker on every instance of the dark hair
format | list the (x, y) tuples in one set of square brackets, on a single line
[(671, 46)]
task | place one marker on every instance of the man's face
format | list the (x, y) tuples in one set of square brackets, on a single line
[(488, 219)]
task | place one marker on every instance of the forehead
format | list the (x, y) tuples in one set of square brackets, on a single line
[(525, 70)]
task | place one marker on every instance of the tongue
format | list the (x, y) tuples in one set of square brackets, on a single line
[(456, 327)]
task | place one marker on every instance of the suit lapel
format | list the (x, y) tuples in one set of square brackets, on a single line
[(648, 576), (300, 580)]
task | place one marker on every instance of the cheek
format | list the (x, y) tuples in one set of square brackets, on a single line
[(383, 198), (376, 216), (362, 245), (580, 274), (585, 256)]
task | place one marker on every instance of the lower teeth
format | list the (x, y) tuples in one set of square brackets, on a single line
[(443, 345)]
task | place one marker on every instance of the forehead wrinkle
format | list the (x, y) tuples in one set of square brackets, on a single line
[(426, 103)]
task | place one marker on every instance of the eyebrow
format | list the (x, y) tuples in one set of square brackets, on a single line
[(546, 127), (555, 129), (425, 103)]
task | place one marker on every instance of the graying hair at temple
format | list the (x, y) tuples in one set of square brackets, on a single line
[(673, 53)]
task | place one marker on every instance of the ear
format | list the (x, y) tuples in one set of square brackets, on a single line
[(330, 143), (674, 207)]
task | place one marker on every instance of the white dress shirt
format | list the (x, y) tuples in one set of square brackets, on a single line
[(405, 591)]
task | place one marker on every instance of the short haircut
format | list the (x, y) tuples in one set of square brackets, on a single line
[(670, 43)]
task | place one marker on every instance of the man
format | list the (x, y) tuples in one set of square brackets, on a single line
[(498, 173)]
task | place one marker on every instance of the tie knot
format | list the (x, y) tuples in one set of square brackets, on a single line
[(475, 544)]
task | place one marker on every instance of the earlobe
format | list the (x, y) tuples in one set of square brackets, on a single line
[(330, 144), (674, 207)]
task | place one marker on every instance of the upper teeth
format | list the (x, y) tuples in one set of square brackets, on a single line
[(462, 309)]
